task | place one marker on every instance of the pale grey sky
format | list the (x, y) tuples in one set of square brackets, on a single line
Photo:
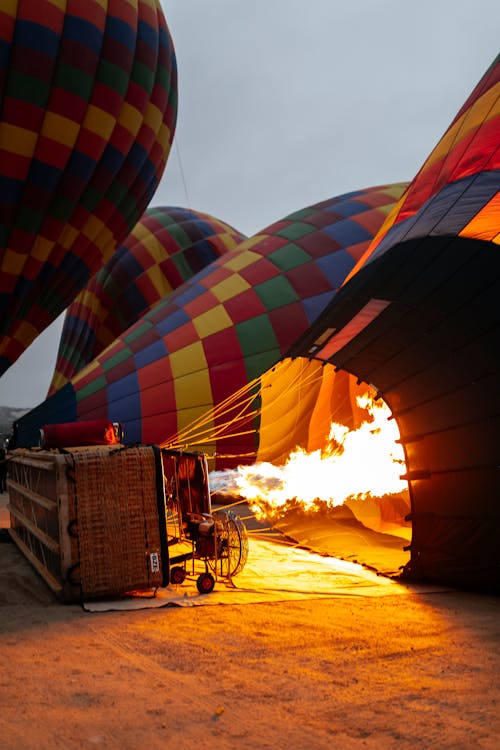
[(283, 103)]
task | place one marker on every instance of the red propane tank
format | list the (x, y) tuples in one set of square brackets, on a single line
[(71, 434)]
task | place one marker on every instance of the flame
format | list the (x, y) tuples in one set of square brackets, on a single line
[(356, 464)]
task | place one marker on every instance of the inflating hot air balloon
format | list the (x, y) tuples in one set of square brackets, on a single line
[(417, 317), (88, 106), (220, 331), (165, 248), (420, 320)]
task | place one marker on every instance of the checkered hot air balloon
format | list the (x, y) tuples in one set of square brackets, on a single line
[(88, 99), (167, 247)]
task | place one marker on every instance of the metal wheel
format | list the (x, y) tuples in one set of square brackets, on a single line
[(177, 575), (205, 583), (231, 544)]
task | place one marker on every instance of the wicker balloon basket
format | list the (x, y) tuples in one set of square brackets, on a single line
[(91, 520)]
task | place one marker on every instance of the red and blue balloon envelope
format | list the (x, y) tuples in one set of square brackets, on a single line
[(166, 247), (88, 95)]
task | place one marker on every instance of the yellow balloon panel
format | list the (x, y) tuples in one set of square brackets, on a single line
[(300, 399), (288, 392)]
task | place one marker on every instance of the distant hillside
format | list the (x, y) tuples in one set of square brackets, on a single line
[(9, 414)]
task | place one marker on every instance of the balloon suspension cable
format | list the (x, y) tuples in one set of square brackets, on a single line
[(226, 420), (202, 430), (181, 170), (299, 382), (195, 428), (231, 505)]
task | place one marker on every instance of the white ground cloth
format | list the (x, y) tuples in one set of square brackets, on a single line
[(273, 572)]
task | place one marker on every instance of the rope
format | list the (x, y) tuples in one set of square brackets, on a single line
[(199, 432), (181, 170), (227, 419)]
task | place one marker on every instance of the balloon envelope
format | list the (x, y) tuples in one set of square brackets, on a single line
[(89, 99), (420, 320), (166, 247)]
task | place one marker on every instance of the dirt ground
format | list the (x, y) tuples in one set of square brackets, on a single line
[(414, 670)]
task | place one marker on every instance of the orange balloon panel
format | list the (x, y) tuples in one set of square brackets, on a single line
[(300, 399)]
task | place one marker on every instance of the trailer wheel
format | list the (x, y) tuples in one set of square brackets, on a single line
[(177, 575), (205, 583)]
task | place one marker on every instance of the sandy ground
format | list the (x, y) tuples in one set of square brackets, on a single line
[(419, 669)]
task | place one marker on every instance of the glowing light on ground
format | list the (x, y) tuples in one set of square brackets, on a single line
[(356, 464)]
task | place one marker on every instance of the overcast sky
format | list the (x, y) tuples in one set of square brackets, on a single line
[(283, 103)]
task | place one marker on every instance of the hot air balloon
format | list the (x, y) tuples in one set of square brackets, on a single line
[(89, 100), (415, 316), (419, 319), (166, 247), (220, 331)]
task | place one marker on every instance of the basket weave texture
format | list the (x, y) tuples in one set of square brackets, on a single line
[(114, 505)]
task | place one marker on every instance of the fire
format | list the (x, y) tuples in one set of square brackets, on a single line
[(356, 464)]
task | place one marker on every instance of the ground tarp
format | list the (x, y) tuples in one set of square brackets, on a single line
[(274, 572)]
